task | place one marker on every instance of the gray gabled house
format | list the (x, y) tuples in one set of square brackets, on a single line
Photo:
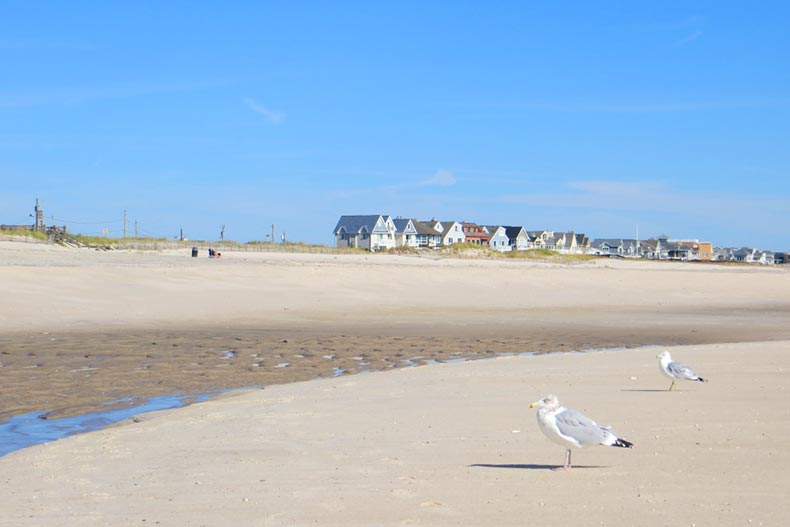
[(405, 233), (607, 246), (616, 247), (744, 254), (427, 236), (518, 238), (371, 232)]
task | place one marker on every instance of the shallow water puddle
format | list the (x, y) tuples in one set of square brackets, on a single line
[(31, 429)]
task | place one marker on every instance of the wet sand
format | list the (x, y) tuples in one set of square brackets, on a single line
[(66, 373)]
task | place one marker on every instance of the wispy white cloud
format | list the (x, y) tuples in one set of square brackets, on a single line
[(648, 196), (613, 208), (689, 38), (442, 178), (272, 116), (689, 29)]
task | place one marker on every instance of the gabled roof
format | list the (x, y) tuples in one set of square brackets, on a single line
[(424, 228), (433, 224), (357, 224), (447, 224), (447, 227), (652, 244), (611, 242), (401, 224), (513, 232)]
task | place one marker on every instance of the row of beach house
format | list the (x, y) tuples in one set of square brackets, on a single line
[(383, 232)]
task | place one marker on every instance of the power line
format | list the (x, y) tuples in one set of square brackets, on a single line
[(151, 234), (87, 222)]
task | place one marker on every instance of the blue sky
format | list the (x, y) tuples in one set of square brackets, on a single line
[(596, 117)]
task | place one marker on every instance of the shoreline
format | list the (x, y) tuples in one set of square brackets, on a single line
[(73, 372), (25, 430)]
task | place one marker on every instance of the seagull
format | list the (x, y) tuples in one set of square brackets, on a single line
[(569, 428), (675, 370)]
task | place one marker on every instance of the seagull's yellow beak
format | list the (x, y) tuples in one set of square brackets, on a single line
[(533, 405)]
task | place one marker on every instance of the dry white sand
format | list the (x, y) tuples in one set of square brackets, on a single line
[(52, 287), (450, 444)]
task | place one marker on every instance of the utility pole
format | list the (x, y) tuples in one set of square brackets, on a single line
[(222, 234), (135, 229), (39, 217), (273, 238), (124, 223)]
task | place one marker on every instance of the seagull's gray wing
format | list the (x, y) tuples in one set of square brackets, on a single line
[(680, 371), (586, 431)]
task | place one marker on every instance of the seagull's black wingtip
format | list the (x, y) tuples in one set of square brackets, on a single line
[(623, 443)]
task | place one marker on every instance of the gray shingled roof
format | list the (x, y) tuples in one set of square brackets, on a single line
[(513, 232), (356, 224), (611, 242), (401, 224), (424, 228)]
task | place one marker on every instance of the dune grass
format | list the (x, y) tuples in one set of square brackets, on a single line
[(37, 235), (548, 255)]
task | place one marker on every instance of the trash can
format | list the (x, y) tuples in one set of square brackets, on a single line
[(194, 252)]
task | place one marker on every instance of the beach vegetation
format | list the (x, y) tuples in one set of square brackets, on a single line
[(404, 250), (548, 255), (17, 233), (466, 249)]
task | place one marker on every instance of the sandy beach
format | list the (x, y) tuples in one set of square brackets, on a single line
[(445, 443)]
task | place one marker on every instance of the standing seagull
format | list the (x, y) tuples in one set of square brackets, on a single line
[(569, 428), (675, 370)]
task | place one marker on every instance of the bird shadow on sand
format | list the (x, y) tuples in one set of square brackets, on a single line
[(530, 466)]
